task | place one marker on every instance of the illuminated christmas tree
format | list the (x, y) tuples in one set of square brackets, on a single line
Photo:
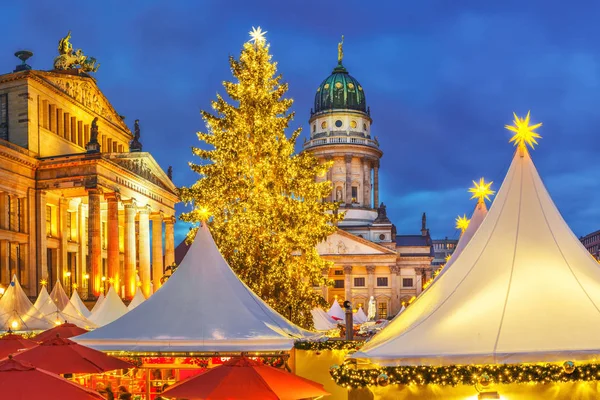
[(265, 210)]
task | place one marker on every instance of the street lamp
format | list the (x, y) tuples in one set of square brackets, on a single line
[(68, 283), (104, 284)]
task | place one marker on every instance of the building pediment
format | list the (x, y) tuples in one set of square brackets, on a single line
[(143, 165), (344, 243), (85, 91)]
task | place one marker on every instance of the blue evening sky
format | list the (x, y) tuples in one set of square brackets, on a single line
[(441, 77)]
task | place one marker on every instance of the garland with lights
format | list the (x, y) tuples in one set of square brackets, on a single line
[(346, 375), (329, 345)]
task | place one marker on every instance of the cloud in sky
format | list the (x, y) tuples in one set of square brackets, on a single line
[(441, 79)]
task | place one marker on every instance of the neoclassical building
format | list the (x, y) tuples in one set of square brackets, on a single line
[(80, 201), (369, 257)]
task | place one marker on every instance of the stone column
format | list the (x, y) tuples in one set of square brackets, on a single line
[(169, 241), (348, 282), (130, 255), (4, 211), (371, 280), (63, 213), (348, 159), (376, 184), (5, 263), (112, 247), (144, 245), (40, 234), (366, 183), (331, 196), (324, 286), (157, 250), (31, 254), (94, 241), (83, 244), (395, 304), (418, 280)]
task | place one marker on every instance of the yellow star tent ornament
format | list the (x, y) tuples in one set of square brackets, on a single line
[(462, 223), (257, 35), (481, 190), (524, 133)]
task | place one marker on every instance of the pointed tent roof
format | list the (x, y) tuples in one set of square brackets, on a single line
[(17, 312), (322, 321), (110, 309), (98, 303), (203, 307), (336, 310), (42, 298), (50, 310), (359, 317), (138, 299), (78, 305), (523, 290), (59, 296)]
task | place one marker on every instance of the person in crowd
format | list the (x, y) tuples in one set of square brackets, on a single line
[(161, 397), (124, 393), (109, 392)]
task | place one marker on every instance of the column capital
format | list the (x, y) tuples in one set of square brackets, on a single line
[(157, 216), (112, 196), (347, 269), (395, 269), (170, 219), (94, 191), (145, 209), (370, 269), (129, 203)]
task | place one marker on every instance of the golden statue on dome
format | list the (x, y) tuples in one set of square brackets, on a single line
[(341, 50)]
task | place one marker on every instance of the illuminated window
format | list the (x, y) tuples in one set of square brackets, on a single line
[(359, 282), (353, 124), (4, 116), (383, 310), (354, 194), (338, 284), (338, 272), (382, 281), (407, 282), (323, 124)]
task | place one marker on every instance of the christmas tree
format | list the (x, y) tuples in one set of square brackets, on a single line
[(265, 210)]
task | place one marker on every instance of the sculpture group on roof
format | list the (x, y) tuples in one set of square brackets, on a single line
[(69, 59)]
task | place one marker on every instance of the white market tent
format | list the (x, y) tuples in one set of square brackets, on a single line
[(71, 314), (138, 299), (523, 290), (110, 309), (203, 307), (78, 305), (17, 312), (47, 307), (98, 303), (322, 321), (336, 311), (359, 317), (59, 296), (42, 298)]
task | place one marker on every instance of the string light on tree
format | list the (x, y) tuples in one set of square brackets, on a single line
[(259, 198), (524, 133), (481, 190)]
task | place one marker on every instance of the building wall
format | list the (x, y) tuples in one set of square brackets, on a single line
[(592, 243)]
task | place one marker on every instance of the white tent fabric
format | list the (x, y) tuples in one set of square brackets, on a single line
[(17, 312), (477, 218), (138, 299), (98, 303), (322, 321), (42, 298), (336, 311), (203, 307), (59, 296), (110, 309), (78, 305), (359, 317), (523, 290)]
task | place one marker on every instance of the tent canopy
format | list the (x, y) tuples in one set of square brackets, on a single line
[(336, 311), (137, 299), (78, 305), (59, 296), (110, 309), (322, 321), (524, 289), (203, 307), (17, 312)]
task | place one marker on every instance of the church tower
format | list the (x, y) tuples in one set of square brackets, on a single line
[(340, 131)]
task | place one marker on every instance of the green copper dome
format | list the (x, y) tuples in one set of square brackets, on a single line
[(340, 91)]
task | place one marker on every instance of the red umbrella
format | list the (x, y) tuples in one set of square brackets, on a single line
[(244, 379), (65, 330), (12, 343), (64, 356), (22, 381)]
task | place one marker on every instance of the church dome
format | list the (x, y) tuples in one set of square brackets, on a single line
[(340, 91)]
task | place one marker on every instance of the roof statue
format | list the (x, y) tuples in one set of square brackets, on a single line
[(135, 145), (341, 50), (524, 289), (233, 318), (170, 172), (93, 146), (68, 59)]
